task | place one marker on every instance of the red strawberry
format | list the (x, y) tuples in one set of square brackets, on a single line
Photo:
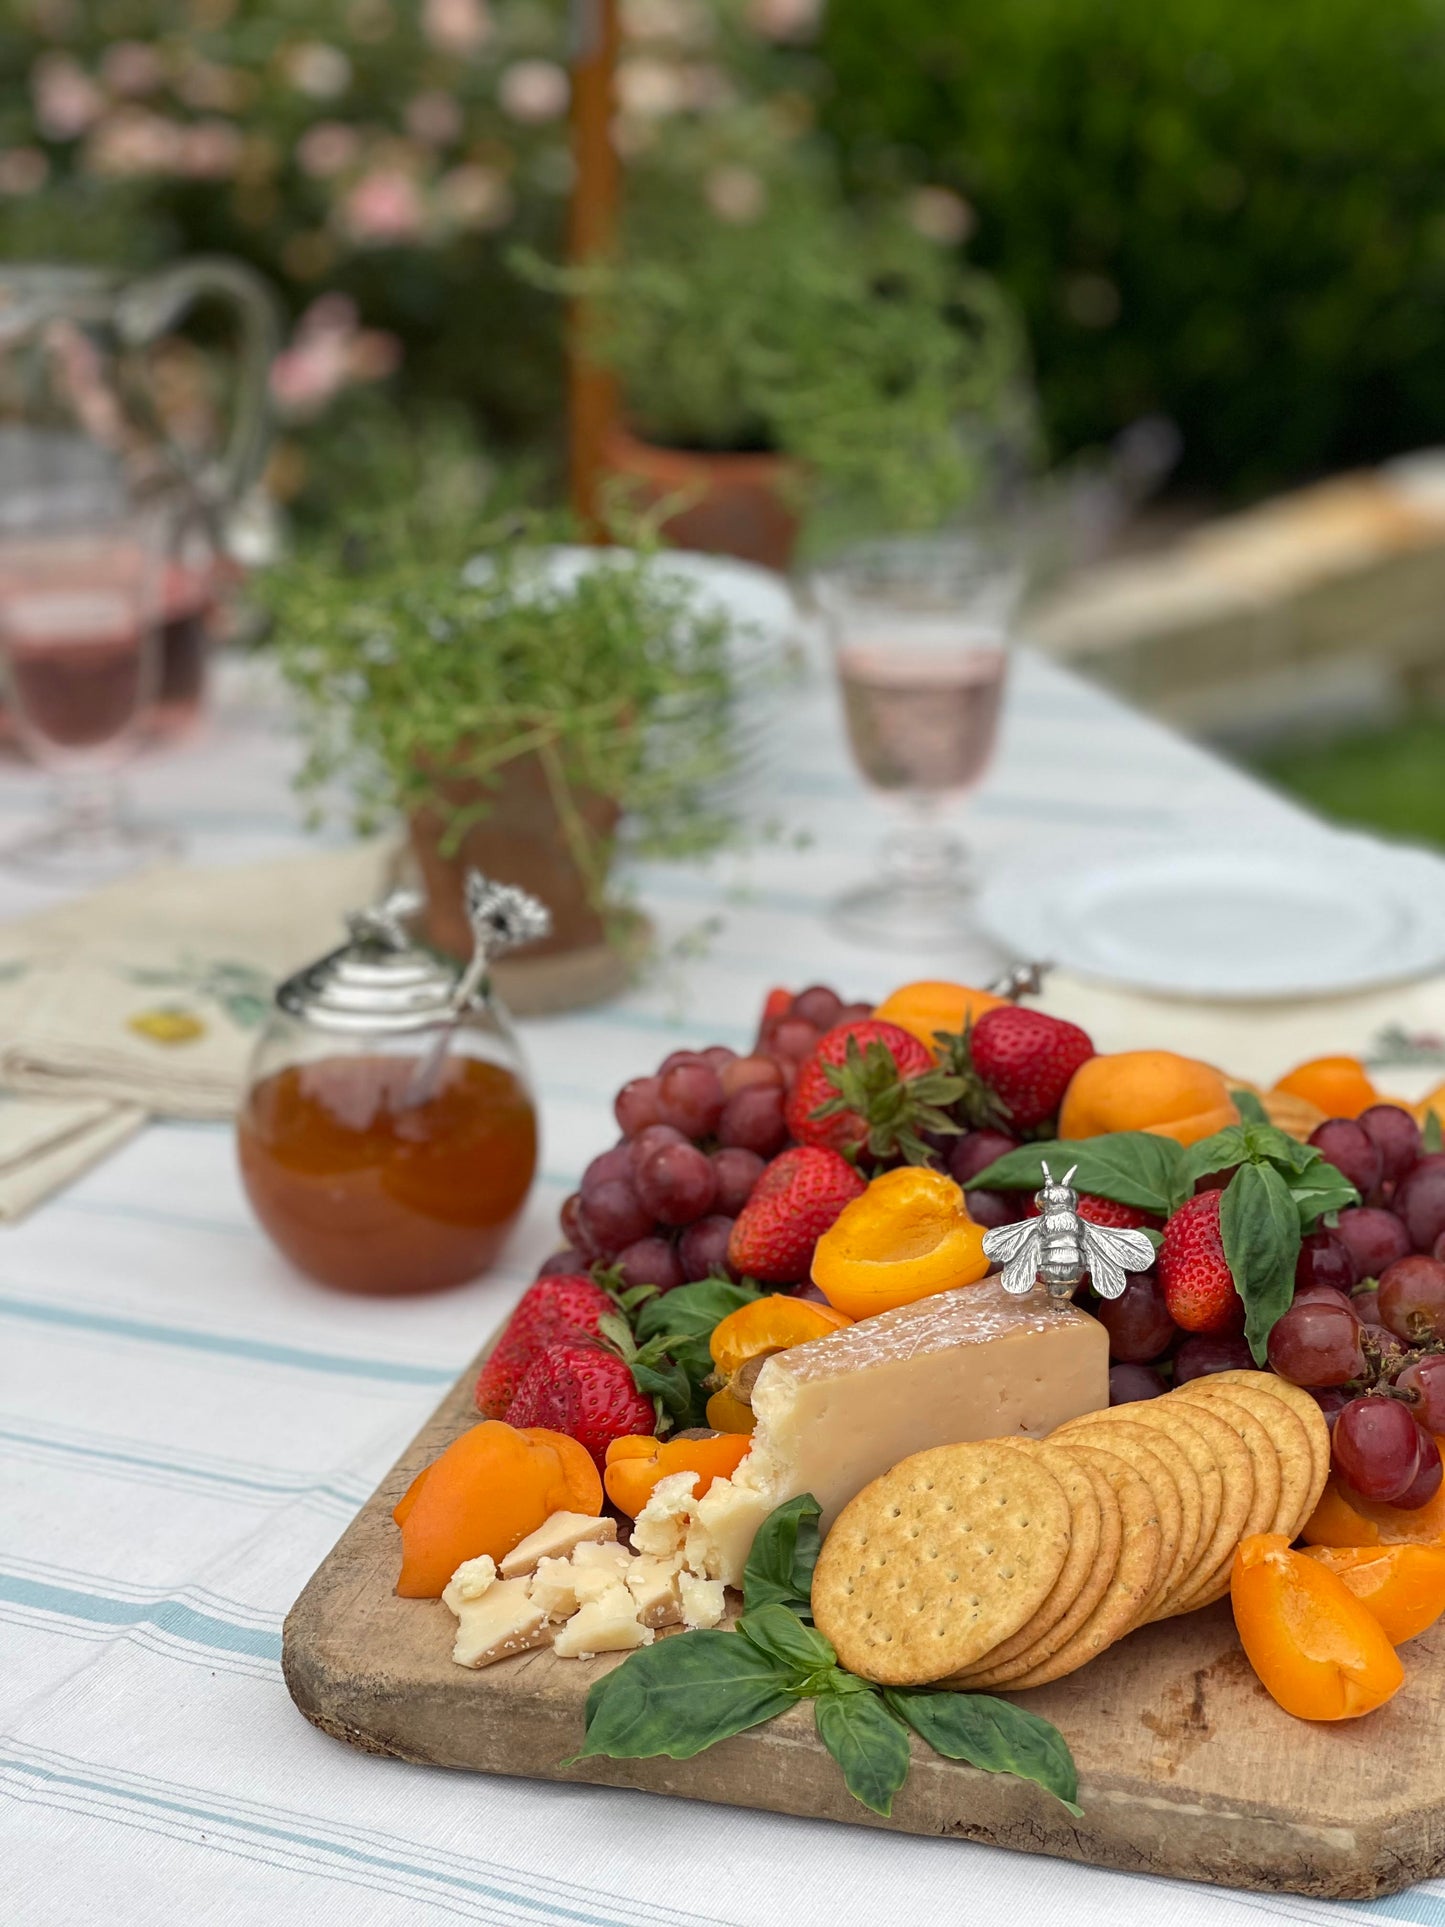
[(1027, 1059), (1125, 1217), (792, 1204), (552, 1309), (1193, 1275), (586, 1390), (869, 1084)]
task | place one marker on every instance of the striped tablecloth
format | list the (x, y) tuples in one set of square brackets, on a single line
[(186, 1427)]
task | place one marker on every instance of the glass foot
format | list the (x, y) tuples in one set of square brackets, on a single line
[(894, 913), (80, 852)]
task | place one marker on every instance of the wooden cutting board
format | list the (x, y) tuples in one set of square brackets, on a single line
[(1186, 1766)]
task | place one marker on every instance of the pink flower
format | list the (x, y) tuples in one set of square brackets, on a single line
[(941, 215), (736, 194), (476, 197), (23, 170), (328, 351), (332, 313), (456, 26), (328, 148), (651, 88), (67, 100), (434, 117), (384, 207), (320, 71), (210, 150), (304, 378), (134, 142), (132, 67), (533, 91)]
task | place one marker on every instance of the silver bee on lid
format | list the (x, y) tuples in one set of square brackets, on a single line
[(1058, 1247)]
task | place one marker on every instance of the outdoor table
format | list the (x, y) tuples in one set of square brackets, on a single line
[(187, 1426)]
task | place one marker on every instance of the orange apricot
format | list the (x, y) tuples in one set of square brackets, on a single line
[(727, 1413), (1403, 1586), (908, 1236), (635, 1465), (1343, 1518), (1432, 1101), (925, 1008), (1146, 1090), (772, 1324), (1317, 1649), (486, 1492), (1339, 1085)]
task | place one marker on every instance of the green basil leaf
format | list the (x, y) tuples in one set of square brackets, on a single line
[(785, 1550), (1251, 1111), (1320, 1191), (786, 1640), (1221, 1152), (682, 1695), (687, 1317), (993, 1734), (1260, 1225), (1132, 1167), (869, 1743), (1267, 1145), (1430, 1135), (666, 1381)]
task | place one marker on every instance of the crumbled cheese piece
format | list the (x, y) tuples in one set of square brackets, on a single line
[(662, 1524), (653, 1584), (703, 1600), (552, 1588), (596, 1568), (470, 1580), (502, 1621), (606, 1624), (556, 1538)]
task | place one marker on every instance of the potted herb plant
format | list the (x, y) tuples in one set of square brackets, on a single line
[(518, 707)]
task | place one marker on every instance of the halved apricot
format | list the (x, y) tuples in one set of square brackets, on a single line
[(1343, 1518), (1318, 1651), (908, 1236), (1403, 1586)]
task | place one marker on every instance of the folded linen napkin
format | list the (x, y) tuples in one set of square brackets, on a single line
[(45, 1142)]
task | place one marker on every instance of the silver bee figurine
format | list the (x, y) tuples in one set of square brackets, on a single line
[(1058, 1247)]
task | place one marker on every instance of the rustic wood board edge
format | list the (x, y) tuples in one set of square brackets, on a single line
[(1186, 1768)]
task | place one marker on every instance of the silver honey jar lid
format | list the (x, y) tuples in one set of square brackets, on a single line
[(382, 981)]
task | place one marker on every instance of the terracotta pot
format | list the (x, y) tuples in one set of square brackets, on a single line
[(738, 505), (519, 840)]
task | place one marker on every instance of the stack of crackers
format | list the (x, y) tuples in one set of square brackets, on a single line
[(1011, 1562)]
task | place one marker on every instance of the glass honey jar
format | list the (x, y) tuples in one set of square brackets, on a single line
[(388, 1136)]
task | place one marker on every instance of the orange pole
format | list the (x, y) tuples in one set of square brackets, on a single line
[(591, 391)]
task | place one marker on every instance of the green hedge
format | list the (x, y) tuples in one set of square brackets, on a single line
[(1230, 210)]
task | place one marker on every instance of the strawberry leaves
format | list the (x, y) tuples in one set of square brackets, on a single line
[(892, 1109), (656, 1375)]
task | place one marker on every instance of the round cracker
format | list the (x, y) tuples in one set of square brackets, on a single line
[(1236, 1502), (1306, 1409), (1170, 1477), (1292, 1446), (992, 1671), (1131, 1584), (1264, 1463), (941, 1559)]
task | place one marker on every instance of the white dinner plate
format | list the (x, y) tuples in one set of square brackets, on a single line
[(1317, 917)]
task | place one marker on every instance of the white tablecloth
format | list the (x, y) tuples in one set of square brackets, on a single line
[(186, 1426)]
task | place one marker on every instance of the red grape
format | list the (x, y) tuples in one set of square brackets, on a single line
[(691, 1097), (652, 1139), (575, 1229), (975, 1150), (607, 1165), (1325, 1259), (853, 1014), (702, 1249), (1129, 1383), (1138, 1321), (1395, 1135), (1366, 1306), (651, 1261), (1206, 1352), (676, 1184), (1328, 1293), (744, 1071), (614, 1216), (719, 1056), (1351, 1150), (817, 1005), (736, 1171), (1426, 1482), (1425, 1377), (1332, 1400), (565, 1263), (636, 1105), (1317, 1343), (752, 1120), (1412, 1299), (1420, 1201), (1376, 1448), (1375, 1238), (993, 1208), (795, 1039), (676, 1057)]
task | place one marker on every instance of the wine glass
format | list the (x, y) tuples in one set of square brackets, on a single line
[(80, 608), (920, 628)]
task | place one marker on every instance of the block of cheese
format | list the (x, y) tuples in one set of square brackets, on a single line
[(975, 1363)]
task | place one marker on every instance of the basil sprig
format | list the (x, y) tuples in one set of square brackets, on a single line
[(683, 1321), (685, 1693), (1280, 1190)]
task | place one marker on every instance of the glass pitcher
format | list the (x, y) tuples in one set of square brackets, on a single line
[(87, 437)]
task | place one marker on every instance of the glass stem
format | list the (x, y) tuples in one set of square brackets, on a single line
[(87, 804), (921, 855)]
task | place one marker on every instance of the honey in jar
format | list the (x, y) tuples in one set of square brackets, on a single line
[(388, 1137)]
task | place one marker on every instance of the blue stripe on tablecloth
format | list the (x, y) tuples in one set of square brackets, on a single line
[(185, 1472), (166, 1615), (1415, 1906), (368, 1853), (256, 1349)]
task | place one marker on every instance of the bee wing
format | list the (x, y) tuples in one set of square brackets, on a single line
[(1110, 1253), (1016, 1248)]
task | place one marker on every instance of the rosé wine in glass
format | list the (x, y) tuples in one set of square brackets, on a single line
[(924, 721)]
